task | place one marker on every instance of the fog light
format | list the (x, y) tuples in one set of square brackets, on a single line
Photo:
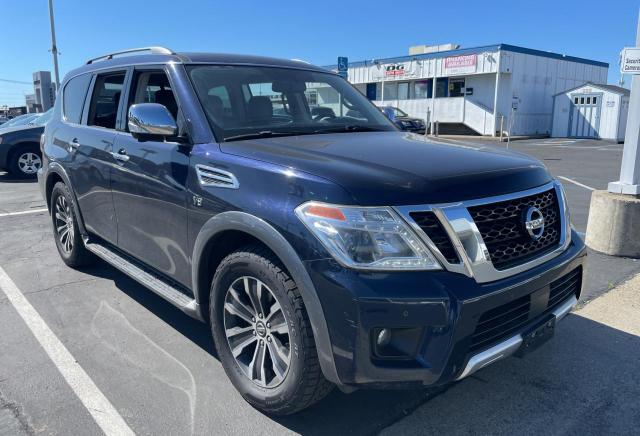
[(395, 343), (384, 337)]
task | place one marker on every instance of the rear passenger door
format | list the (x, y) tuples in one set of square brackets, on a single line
[(89, 140), (149, 186)]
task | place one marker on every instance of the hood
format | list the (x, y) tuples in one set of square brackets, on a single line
[(17, 129), (398, 168)]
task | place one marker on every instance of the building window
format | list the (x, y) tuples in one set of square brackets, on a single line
[(390, 91), (456, 87), (595, 100), (442, 87), (423, 89), (403, 91)]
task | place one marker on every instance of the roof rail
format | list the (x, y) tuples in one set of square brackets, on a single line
[(152, 50)]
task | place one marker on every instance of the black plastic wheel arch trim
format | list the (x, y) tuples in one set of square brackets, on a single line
[(263, 231)]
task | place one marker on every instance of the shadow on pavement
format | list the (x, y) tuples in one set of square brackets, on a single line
[(8, 178), (582, 381)]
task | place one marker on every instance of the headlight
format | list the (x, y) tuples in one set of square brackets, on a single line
[(367, 237), (406, 123)]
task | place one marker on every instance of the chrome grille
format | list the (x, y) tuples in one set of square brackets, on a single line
[(502, 228)]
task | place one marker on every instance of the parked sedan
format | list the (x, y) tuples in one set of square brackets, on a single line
[(403, 120), (20, 153), (20, 120)]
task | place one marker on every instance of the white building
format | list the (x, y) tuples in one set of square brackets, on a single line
[(591, 111), (476, 87)]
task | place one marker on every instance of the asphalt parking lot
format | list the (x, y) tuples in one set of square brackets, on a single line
[(158, 367)]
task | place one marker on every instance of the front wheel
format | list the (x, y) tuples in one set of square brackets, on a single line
[(263, 335)]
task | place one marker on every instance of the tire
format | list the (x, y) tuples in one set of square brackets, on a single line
[(272, 388), (25, 161), (65, 228)]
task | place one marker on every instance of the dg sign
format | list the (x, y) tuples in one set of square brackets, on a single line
[(630, 60)]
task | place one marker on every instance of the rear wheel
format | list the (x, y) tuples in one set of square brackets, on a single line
[(65, 228), (263, 335), (25, 162)]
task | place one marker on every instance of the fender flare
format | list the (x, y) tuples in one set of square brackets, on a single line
[(57, 169), (268, 235)]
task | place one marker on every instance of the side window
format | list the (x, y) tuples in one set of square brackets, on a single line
[(153, 87), (73, 97), (103, 111)]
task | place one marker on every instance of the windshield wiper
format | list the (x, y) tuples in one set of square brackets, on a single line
[(260, 134)]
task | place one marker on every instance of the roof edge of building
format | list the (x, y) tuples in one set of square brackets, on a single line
[(475, 50)]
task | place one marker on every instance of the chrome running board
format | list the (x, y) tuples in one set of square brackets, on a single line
[(510, 346), (149, 280)]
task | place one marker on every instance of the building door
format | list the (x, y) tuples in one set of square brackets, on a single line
[(584, 121), (371, 91)]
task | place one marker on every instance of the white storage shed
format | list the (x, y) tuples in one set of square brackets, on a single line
[(591, 111)]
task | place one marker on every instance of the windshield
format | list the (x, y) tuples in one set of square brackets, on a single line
[(243, 102), (20, 120), (43, 119)]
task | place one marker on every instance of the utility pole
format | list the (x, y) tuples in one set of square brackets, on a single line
[(614, 214), (54, 47)]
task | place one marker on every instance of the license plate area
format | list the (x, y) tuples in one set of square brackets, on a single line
[(537, 335)]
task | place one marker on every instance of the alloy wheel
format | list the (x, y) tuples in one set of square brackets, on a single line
[(29, 163), (257, 332), (64, 223)]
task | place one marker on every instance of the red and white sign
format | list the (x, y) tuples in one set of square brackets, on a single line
[(394, 70), (461, 64)]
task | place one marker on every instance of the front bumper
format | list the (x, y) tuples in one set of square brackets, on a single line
[(443, 307)]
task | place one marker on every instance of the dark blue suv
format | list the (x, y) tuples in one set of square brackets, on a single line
[(324, 247)]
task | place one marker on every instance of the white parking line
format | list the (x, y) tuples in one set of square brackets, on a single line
[(24, 212), (577, 183), (102, 411)]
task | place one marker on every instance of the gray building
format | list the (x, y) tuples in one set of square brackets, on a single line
[(30, 102), (44, 89)]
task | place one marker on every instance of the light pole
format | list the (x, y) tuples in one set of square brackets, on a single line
[(614, 214), (54, 48)]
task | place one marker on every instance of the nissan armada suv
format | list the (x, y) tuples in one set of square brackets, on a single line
[(324, 247)]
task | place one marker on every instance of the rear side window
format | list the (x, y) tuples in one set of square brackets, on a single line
[(74, 94), (103, 111)]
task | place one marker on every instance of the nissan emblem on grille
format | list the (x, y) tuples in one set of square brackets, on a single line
[(534, 222)]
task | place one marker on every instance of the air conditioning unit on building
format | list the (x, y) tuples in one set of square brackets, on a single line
[(421, 49)]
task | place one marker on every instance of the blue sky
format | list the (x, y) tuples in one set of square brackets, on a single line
[(314, 31)]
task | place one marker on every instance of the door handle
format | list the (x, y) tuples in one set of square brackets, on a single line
[(121, 155), (74, 143)]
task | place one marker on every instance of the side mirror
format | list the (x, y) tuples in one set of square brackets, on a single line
[(151, 119)]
